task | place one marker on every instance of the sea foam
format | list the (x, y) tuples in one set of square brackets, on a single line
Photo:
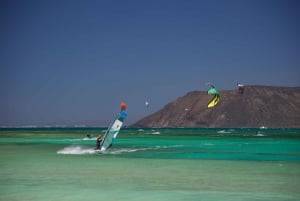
[(76, 150)]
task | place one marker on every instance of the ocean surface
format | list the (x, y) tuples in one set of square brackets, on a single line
[(43, 164)]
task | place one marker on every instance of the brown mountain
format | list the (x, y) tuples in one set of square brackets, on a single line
[(272, 107)]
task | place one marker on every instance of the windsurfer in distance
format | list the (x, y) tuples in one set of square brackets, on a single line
[(98, 142)]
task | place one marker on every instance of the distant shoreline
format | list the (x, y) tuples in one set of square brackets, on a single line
[(147, 128)]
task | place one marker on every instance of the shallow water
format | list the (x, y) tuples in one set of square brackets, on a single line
[(150, 164)]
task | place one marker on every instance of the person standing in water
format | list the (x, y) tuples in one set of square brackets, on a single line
[(98, 142)]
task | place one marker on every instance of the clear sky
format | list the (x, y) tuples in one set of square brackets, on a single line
[(73, 61)]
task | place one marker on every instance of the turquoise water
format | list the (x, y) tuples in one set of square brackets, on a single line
[(150, 164)]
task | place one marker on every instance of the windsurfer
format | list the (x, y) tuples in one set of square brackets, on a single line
[(98, 142)]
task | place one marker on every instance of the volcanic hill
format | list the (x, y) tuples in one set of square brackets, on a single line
[(268, 106)]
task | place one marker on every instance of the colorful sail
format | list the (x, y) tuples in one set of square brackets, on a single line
[(215, 100), (113, 130)]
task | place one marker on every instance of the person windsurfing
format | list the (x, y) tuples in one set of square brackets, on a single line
[(111, 133), (98, 142)]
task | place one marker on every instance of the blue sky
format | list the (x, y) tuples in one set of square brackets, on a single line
[(73, 61)]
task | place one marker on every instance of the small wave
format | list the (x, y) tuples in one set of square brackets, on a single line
[(209, 144), (263, 127), (90, 138), (259, 135), (168, 146), (129, 150), (76, 150), (120, 151), (223, 131)]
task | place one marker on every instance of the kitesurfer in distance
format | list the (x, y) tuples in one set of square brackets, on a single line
[(98, 142)]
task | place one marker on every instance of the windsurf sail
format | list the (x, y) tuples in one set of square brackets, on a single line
[(214, 101), (113, 130)]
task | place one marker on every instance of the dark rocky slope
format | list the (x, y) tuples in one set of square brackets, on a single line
[(272, 107)]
